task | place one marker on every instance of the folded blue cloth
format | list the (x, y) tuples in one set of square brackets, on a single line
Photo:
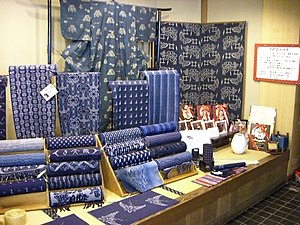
[(117, 136), (16, 173), (22, 159), (158, 128), (229, 166), (30, 144), (124, 147), (71, 219), (71, 142), (168, 149), (174, 171), (75, 154), (173, 160), (161, 139)]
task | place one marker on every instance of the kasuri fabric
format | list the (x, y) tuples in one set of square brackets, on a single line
[(74, 181), (17, 173), (163, 95), (140, 178), (71, 219), (79, 103), (130, 103), (3, 84), (84, 195), (173, 160), (75, 154), (174, 171), (20, 145), (72, 167), (124, 147), (158, 128), (22, 187), (208, 180), (161, 139), (117, 136), (209, 59), (133, 209), (22, 159), (104, 39), (168, 149), (33, 115), (70, 142), (130, 159)]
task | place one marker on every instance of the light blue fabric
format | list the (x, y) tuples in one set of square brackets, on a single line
[(30, 144), (22, 159)]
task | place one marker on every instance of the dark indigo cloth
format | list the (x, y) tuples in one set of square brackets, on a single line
[(78, 103), (124, 147), (70, 142), (130, 159), (133, 209), (73, 167), (174, 171), (71, 219), (33, 115), (104, 39), (3, 84), (209, 59), (22, 159), (158, 128), (20, 145), (161, 139), (22, 187), (75, 154), (140, 178), (130, 103), (173, 160), (168, 149), (17, 173), (163, 96), (85, 195), (117, 136), (74, 181)]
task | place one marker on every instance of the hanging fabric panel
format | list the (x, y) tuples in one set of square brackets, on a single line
[(3, 84)]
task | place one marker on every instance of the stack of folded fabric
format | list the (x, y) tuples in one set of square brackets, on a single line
[(22, 166), (74, 171)]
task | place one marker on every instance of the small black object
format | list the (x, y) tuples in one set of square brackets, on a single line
[(195, 156), (206, 160)]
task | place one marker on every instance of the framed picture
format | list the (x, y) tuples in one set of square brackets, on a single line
[(235, 125), (220, 113), (182, 125), (208, 124), (197, 125), (222, 126), (204, 112), (186, 112), (259, 136)]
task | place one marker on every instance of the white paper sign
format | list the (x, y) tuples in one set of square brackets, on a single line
[(48, 92)]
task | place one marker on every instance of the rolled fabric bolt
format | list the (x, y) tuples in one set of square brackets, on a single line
[(15, 217), (229, 166)]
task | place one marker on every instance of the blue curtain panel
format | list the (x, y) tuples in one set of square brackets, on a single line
[(173, 160), (22, 159), (20, 145), (70, 142), (158, 128), (3, 84), (74, 154), (118, 136), (17, 173)]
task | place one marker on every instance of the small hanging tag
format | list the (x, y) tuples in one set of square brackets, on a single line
[(48, 92)]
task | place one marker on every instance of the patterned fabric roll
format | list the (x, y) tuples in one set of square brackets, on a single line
[(76, 154), (168, 149), (22, 159), (79, 103), (117, 136), (124, 147), (22, 187), (177, 170), (161, 139), (33, 115), (85, 195), (30, 144), (15, 173), (73, 167), (140, 178), (74, 181), (130, 159), (70, 142), (158, 128), (3, 84), (173, 160)]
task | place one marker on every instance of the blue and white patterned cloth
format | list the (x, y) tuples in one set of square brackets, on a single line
[(118, 136), (70, 142), (161, 139), (71, 219), (176, 170), (33, 115), (22, 159), (124, 147), (74, 154), (158, 128), (21, 145), (17, 173), (163, 96), (78, 103), (168, 149), (3, 84), (130, 103), (140, 178), (173, 160)]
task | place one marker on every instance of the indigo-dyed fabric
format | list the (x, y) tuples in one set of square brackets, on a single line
[(158, 128), (210, 60), (78, 103), (133, 209), (70, 142), (173, 160), (75, 154), (85, 195), (71, 219), (104, 39), (30, 144), (74, 181), (174, 171), (33, 115), (117, 136), (3, 84), (22, 187), (140, 178), (130, 103), (16, 173), (130, 159), (124, 147), (163, 96), (22, 159), (161, 139), (73, 167), (168, 149)]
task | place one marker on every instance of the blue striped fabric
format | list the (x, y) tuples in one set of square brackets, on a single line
[(161, 139), (22, 159), (159, 128)]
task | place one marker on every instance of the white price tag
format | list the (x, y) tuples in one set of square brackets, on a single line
[(48, 92)]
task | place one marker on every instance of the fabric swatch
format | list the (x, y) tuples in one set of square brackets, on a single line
[(159, 128), (70, 142), (71, 219), (33, 115), (3, 84), (117, 136), (174, 171), (168, 149), (209, 180), (124, 147), (16, 173), (19, 145), (79, 103), (173, 160), (22, 159), (75, 154), (161, 139), (140, 178)]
